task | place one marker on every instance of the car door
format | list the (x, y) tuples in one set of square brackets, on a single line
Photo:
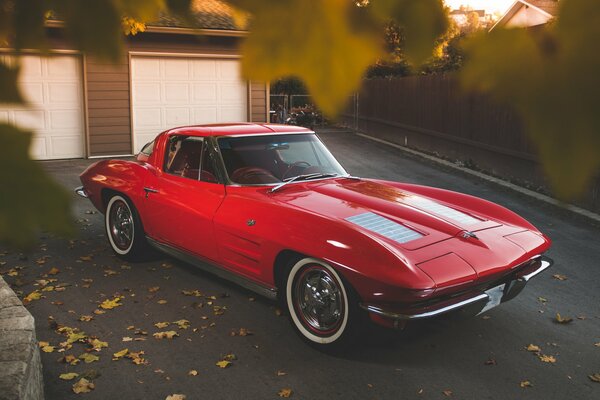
[(183, 195)]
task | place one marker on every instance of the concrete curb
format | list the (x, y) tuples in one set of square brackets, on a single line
[(20, 362), (589, 215)]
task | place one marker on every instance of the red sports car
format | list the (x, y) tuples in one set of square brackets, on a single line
[(269, 207)]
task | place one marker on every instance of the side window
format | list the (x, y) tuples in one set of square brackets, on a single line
[(183, 155), (208, 170), (148, 148)]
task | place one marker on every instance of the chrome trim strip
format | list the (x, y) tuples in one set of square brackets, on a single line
[(269, 292), (81, 192), (428, 314), (545, 264)]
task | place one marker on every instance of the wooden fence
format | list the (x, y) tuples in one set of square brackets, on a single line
[(432, 113)]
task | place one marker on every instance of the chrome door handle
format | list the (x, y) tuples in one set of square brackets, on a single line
[(149, 190)]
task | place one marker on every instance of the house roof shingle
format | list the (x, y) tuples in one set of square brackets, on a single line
[(206, 14), (549, 6)]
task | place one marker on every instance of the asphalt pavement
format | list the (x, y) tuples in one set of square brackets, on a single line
[(485, 357)]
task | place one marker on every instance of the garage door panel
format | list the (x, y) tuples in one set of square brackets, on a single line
[(64, 93), (192, 91), (204, 92), (177, 92), (30, 119), (65, 146), (205, 115), (33, 92), (148, 118), (65, 119), (177, 116), (31, 67), (176, 69), (146, 68), (146, 93), (38, 148), (62, 67)]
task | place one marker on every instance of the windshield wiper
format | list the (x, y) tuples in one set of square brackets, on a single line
[(301, 177)]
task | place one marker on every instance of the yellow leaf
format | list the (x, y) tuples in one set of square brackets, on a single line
[(193, 372), (43, 344), (69, 376), (162, 301), (97, 344), (86, 318), (562, 320), (53, 271), (76, 337), (88, 358), (286, 392), (35, 295), (165, 335), (86, 258), (99, 312), (525, 384), (533, 348), (281, 373), (127, 339), (153, 289), (161, 325), (120, 354), (110, 304), (223, 364), (83, 386), (330, 57), (447, 393), (547, 359), (176, 397), (48, 349), (595, 377), (182, 323), (560, 277)]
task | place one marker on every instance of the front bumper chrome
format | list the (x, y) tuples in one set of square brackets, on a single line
[(81, 191), (474, 301)]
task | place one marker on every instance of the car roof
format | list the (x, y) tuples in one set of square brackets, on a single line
[(237, 129)]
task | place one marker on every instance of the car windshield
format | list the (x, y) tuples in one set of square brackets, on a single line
[(272, 159)]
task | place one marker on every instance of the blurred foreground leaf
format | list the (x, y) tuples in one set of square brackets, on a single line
[(550, 76), (31, 201)]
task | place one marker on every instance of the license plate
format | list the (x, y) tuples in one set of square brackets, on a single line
[(495, 295)]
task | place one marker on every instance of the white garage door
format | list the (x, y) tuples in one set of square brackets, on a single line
[(53, 87), (169, 92)]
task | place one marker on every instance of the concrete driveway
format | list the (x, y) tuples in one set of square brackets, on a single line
[(478, 358)]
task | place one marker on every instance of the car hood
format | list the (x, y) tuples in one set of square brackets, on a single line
[(399, 217)]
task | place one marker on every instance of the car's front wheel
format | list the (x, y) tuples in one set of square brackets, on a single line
[(323, 309), (124, 229)]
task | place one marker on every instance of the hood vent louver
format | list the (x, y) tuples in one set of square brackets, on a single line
[(385, 227), (443, 211)]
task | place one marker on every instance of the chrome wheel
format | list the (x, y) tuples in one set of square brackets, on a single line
[(121, 225), (317, 301)]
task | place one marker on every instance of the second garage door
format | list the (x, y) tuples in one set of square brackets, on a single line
[(168, 92)]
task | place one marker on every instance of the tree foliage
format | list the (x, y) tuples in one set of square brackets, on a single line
[(551, 78)]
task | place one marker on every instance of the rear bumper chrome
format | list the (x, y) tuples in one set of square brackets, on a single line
[(475, 302), (81, 192)]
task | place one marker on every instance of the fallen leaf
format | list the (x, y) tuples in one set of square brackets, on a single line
[(70, 359), (542, 300), (182, 323), (154, 289), (533, 348), (559, 277), (161, 325), (223, 364), (597, 344), (76, 337), (162, 301), (447, 393), (176, 397), (230, 357), (86, 318), (562, 320), (69, 376), (48, 349), (285, 392), (97, 344), (165, 334), (110, 304), (195, 293), (83, 386), (278, 312), (88, 358), (490, 361), (525, 384), (53, 271), (595, 377), (86, 258), (120, 354), (193, 372), (99, 312), (281, 373), (43, 344), (35, 295), (127, 339), (547, 359), (136, 358)]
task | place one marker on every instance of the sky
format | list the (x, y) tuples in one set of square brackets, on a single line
[(488, 5)]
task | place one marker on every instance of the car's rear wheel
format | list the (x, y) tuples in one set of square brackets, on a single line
[(322, 307), (124, 229)]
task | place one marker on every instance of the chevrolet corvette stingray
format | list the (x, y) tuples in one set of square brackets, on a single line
[(271, 209)]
